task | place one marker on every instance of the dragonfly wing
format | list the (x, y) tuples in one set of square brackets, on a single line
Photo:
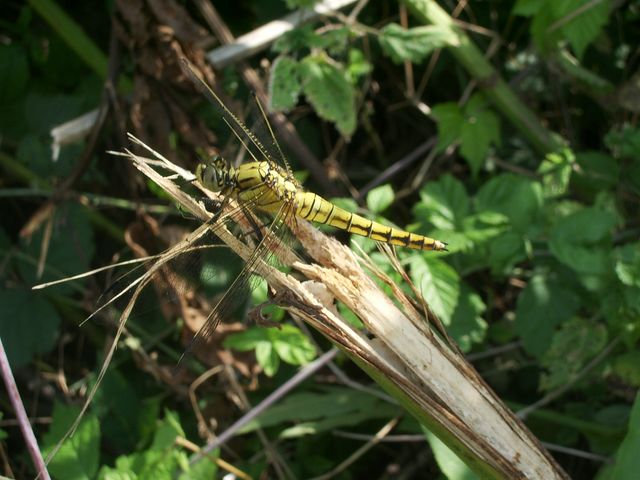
[(265, 253), (254, 139)]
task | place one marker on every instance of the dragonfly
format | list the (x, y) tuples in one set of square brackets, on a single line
[(266, 184)]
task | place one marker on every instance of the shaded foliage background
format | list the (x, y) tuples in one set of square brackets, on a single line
[(541, 288)]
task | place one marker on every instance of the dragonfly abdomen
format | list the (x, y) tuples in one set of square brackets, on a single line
[(314, 208)]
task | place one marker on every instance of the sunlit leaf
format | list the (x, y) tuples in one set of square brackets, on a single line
[(439, 284), (627, 264), (581, 241), (328, 90), (519, 198), (444, 203), (284, 84), (467, 325), (450, 118), (414, 44), (572, 346), (323, 403), (542, 306), (582, 21), (292, 345), (79, 456), (448, 462), (480, 130), (380, 198), (556, 170)]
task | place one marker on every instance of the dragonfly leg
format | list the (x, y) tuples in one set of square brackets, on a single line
[(260, 319), (214, 207), (278, 299)]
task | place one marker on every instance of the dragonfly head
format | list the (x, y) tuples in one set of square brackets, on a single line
[(211, 174)]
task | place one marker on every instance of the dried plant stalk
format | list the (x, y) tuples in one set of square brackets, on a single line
[(431, 379)]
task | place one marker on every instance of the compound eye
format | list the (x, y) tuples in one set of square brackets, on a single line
[(210, 177)]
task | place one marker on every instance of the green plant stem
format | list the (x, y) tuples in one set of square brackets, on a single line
[(564, 420), (77, 40), (26, 176), (496, 89), (72, 34)]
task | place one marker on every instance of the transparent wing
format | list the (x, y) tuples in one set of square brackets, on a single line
[(265, 253), (255, 140), (184, 270)]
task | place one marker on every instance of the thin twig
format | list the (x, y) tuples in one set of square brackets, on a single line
[(21, 414), (390, 425), (274, 397), (523, 413)]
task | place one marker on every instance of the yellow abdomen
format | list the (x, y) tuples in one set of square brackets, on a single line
[(314, 208)]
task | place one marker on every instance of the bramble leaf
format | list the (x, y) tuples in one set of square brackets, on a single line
[(414, 44), (577, 342), (380, 198), (284, 84), (543, 305), (439, 283), (328, 90)]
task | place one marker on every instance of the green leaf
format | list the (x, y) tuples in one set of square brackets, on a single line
[(626, 367), (29, 325), (505, 251), (583, 20), (358, 65), (444, 203), (543, 305), (327, 403), (292, 345), (439, 284), (132, 420), (624, 143), (14, 72), (380, 198), (448, 462), (79, 456), (627, 264), (44, 111), (620, 305), (414, 44), (476, 127), (295, 4), (273, 344), (481, 129), (516, 197), (298, 39), (328, 90), (70, 249), (484, 227), (577, 342), (162, 460), (449, 118), (578, 21), (581, 240), (167, 432), (467, 325), (598, 171), (556, 169), (527, 8), (284, 84), (247, 340), (627, 463)]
